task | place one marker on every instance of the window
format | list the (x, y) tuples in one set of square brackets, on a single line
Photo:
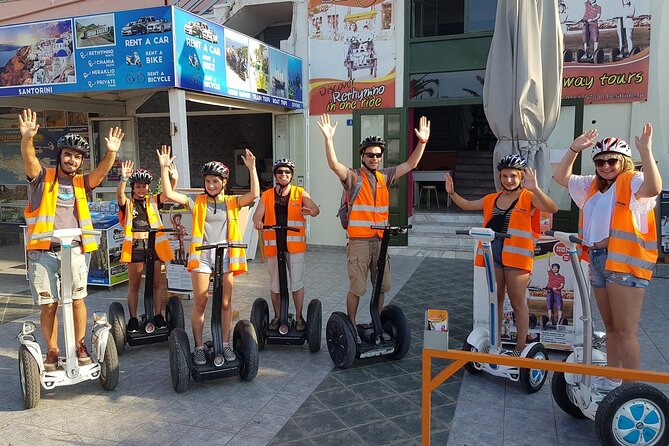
[(460, 84), (447, 17)]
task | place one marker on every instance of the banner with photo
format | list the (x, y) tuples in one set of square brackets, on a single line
[(352, 51), (606, 49)]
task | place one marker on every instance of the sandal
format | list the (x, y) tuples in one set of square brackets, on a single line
[(274, 324), (300, 325)]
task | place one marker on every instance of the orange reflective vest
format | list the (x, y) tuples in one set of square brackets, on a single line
[(41, 220), (237, 256), (369, 209), (518, 251), (163, 249), (630, 250), (296, 241)]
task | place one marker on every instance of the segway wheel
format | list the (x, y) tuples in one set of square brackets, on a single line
[(340, 339), (29, 376), (564, 321), (260, 320), (472, 367), (246, 346), (615, 54), (544, 321), (117, 321), (598, 57), (180, 360), (633, 414), (579, 54), (314, 325), (533, 320), (568, 56), (109, 367), (533, 379), (174, 314), (635, 50), (395, 324), (562, 396)]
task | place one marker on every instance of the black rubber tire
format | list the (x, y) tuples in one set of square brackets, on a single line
[(544, 321), (341, 340), (246, 346), (174, 314), (472, 367), (533, 320), (180, 359), (568, 56), (635, 50), (29, 377), (395, 324), (615, 54), (117, 322), (109, 367), (579, 54), (260, 320), (561, 396), (598, 56), (527, 376), (611, 412), (564, 321), (314, 325)]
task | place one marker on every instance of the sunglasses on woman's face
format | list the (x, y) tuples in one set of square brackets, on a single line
[(280, 171), (611, 162), (373, 155)]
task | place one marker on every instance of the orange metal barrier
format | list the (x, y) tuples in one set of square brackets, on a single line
[(460, 358)]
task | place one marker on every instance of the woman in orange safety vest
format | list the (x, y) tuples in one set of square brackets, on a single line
[(513, 210), (215, 219), (138, 214), (617, 223)]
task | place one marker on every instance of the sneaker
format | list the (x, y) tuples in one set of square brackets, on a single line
[(300, 325), (51, 361), (604, 384), (274, 324), (228, 354), (199, 358), (133, 325), (82, 355), (159, 321)]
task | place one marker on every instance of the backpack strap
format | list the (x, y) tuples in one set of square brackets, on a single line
[(358, 186)]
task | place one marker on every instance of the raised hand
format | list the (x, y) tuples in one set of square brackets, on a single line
[(450, 187), (644, 141), (585, 140), (174, 174), (423, 130), (327, 129), (126, 168), (529, 181), (164, 157), (28, 124), (113, 140), (249, 159)]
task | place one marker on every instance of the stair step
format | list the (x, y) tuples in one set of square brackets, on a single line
[(474, 182), (464, 167)]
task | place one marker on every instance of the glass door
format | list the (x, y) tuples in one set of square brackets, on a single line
[(106, 191)]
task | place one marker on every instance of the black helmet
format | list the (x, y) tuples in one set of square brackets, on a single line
[(283, 162), (76, 142), (512, 162), (372, 141), (141, 176), (215, 168)]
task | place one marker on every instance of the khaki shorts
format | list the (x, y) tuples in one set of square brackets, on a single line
[(361, 256), (295, 266), (44, 270)]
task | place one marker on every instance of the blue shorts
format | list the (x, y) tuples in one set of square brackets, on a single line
[(600, 276), (497, 246)]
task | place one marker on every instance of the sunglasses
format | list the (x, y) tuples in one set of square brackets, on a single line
[(373, 155), (284, 171), (611, 162)]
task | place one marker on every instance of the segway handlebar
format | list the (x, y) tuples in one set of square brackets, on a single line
[(393, 229), (221, 244), (285, 228), (156, 230), (483, 233), (564, 237), (65, 233)]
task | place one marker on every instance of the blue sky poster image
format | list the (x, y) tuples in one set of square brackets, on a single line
[(200, 62), (294, 78)]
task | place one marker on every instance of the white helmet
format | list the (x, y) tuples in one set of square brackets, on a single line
[(612, 145)]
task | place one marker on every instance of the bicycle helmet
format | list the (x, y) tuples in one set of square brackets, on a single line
[(76, 142), (215, 168), (283, 162), (611, 145), (512, 162), (372, 141), (141, 176)]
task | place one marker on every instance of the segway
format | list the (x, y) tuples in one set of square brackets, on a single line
[(286, 333), (486, 340), (148, 333), (387, 335), (245, 344), (597, 57), (632, 414), (104, 364)]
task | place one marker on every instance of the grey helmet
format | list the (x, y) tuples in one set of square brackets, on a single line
[(141, 176), (215, 168), (512, 162), (283, 162), (372, 141), (76, 142)]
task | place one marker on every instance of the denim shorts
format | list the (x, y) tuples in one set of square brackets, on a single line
[(44, 273), (600, 276), (208, 262), (497, 246)]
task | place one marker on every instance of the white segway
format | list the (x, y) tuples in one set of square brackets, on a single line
[(485, 340), (632, 414), (31, 363)]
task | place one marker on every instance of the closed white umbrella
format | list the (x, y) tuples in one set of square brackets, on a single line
[(523, 82)]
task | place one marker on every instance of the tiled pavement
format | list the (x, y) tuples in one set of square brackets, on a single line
[(297, 398)]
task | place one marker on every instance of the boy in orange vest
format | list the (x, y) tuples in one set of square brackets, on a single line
[(58, 201)]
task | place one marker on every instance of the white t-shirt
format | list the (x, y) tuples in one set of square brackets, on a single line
[(596, 226)]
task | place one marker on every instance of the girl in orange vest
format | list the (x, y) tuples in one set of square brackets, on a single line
[(214, 220), (141, 213), (618, 224), (513, 210)]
